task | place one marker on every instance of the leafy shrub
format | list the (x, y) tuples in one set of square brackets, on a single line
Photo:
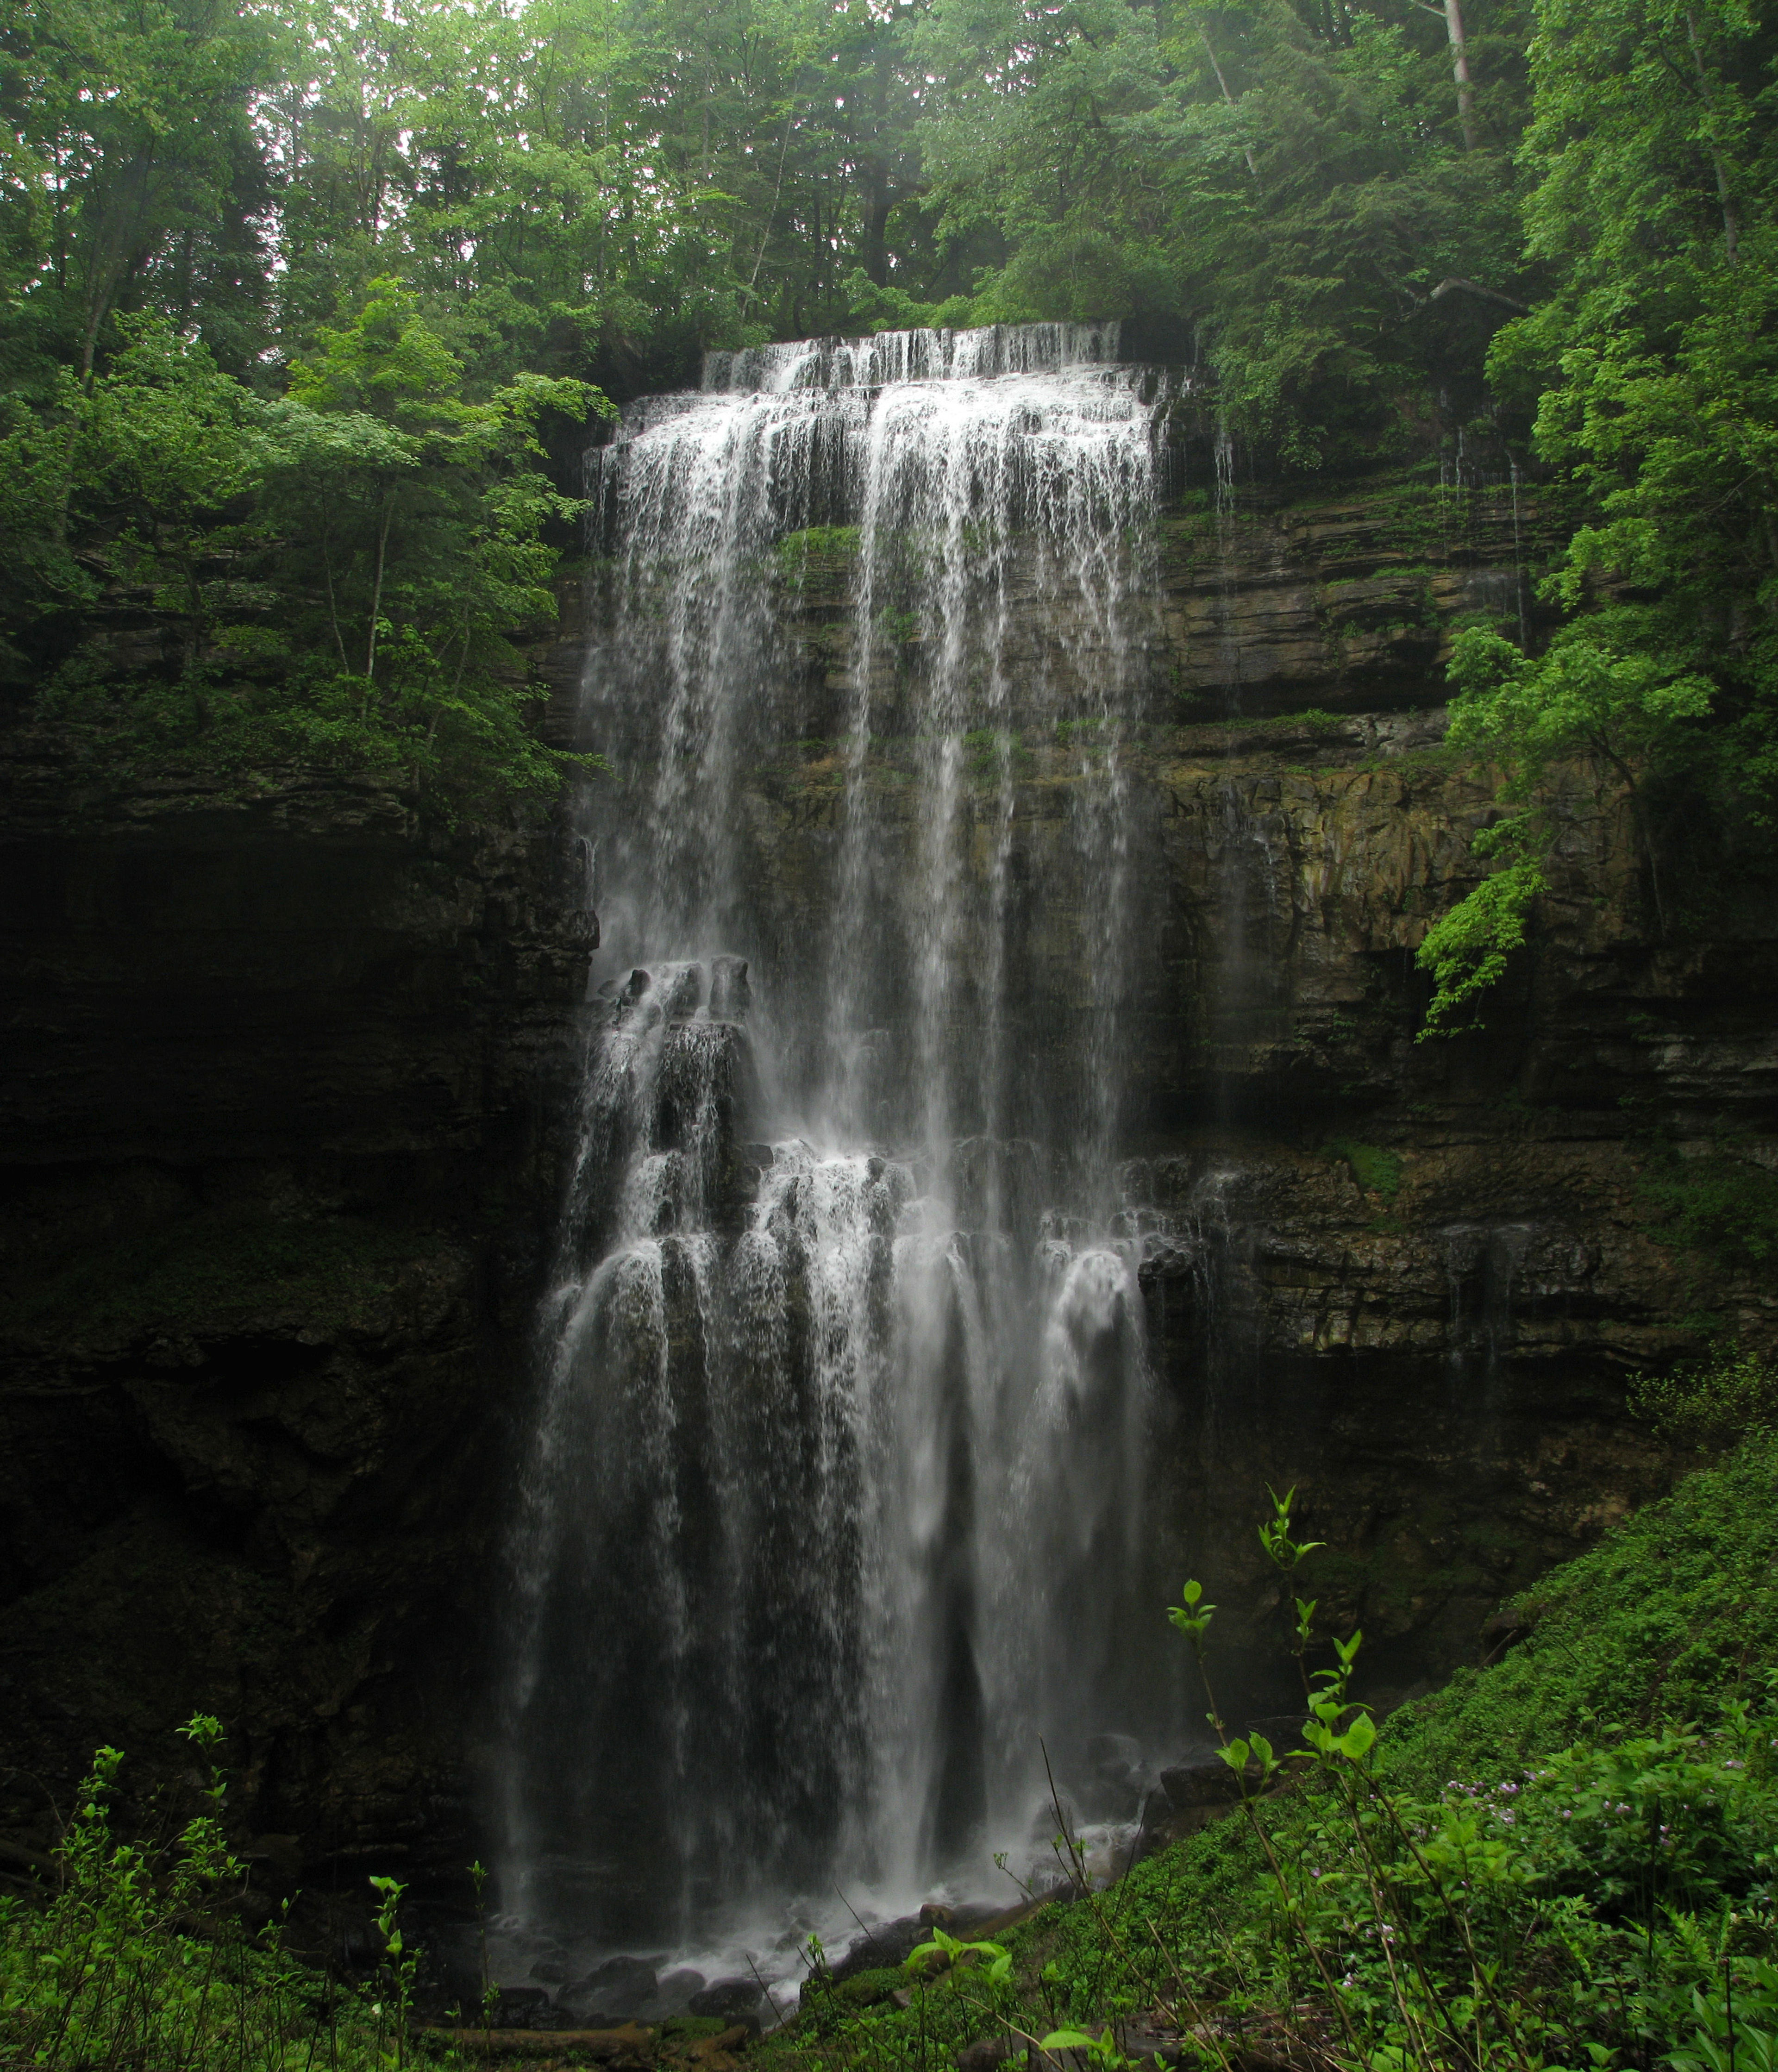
[(1713, 1401), (1466, 950), (142, 1957)]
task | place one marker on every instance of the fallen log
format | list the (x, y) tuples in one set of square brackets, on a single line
[(631, 2043)]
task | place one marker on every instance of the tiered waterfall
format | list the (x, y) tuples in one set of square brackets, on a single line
[(835, 1522)]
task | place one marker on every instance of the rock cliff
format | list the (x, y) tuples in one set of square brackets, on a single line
[(284, 1075), (1410, 1277)]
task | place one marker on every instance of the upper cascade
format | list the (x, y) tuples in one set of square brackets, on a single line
[(893, 357)]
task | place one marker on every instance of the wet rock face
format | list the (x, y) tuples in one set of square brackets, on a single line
[(284, 1085), (280, 1157), (1271, 606), (1410, 1277)]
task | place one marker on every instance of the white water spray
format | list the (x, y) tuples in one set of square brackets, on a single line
[(835, 1516)]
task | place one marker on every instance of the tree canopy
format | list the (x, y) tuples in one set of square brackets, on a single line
[(300, 301)]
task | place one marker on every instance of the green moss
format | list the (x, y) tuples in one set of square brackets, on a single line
[(214, 1267), (988, 752), (1312, 719), (817, 546), (1376, 1170), (1724, 1207), (867, 1988)]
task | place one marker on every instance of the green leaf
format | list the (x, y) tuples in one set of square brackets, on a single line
[(1359, 1737)]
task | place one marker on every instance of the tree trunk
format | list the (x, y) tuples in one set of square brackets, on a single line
[(874, 239), (1459, 66), (777, 196), (1731, 225), (376, 599), (1209, 52)]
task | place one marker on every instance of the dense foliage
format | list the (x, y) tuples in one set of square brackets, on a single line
[(297, 301), (1650, 369)]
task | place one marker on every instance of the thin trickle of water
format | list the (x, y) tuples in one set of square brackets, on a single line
[(1481, 1266), (1521, 578), (834, 1512), (1223, 447)]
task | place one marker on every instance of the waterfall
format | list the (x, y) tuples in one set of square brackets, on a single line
[(833, 1524)]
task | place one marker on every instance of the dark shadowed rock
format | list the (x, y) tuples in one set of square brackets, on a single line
[(729, 995), (1208, 1782), (684, 992), (614, 1990), (678, 1989), (889, 1942), (523, 2007), (726, 1997), (1114, 1755)]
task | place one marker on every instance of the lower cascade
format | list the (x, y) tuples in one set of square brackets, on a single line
[(834, 1561)]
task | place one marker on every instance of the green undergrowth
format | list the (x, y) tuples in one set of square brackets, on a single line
[(215, 1268), (1568, 1859), (1566, 1862), (138, 1953), (1709, 1403), (1312, 719), (141, 1959)]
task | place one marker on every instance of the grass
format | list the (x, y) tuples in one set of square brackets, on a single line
[(1569, 1859)]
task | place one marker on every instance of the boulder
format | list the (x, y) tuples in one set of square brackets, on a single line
[(613, 1990), (683, 993), (523, 2007), (678, 1988), (727, 1996), (1204, 1781), (888, 1943), (621, 1974), (730, 996)]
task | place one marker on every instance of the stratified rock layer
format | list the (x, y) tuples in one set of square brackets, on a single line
[(279, 1172), (283, 1162)]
